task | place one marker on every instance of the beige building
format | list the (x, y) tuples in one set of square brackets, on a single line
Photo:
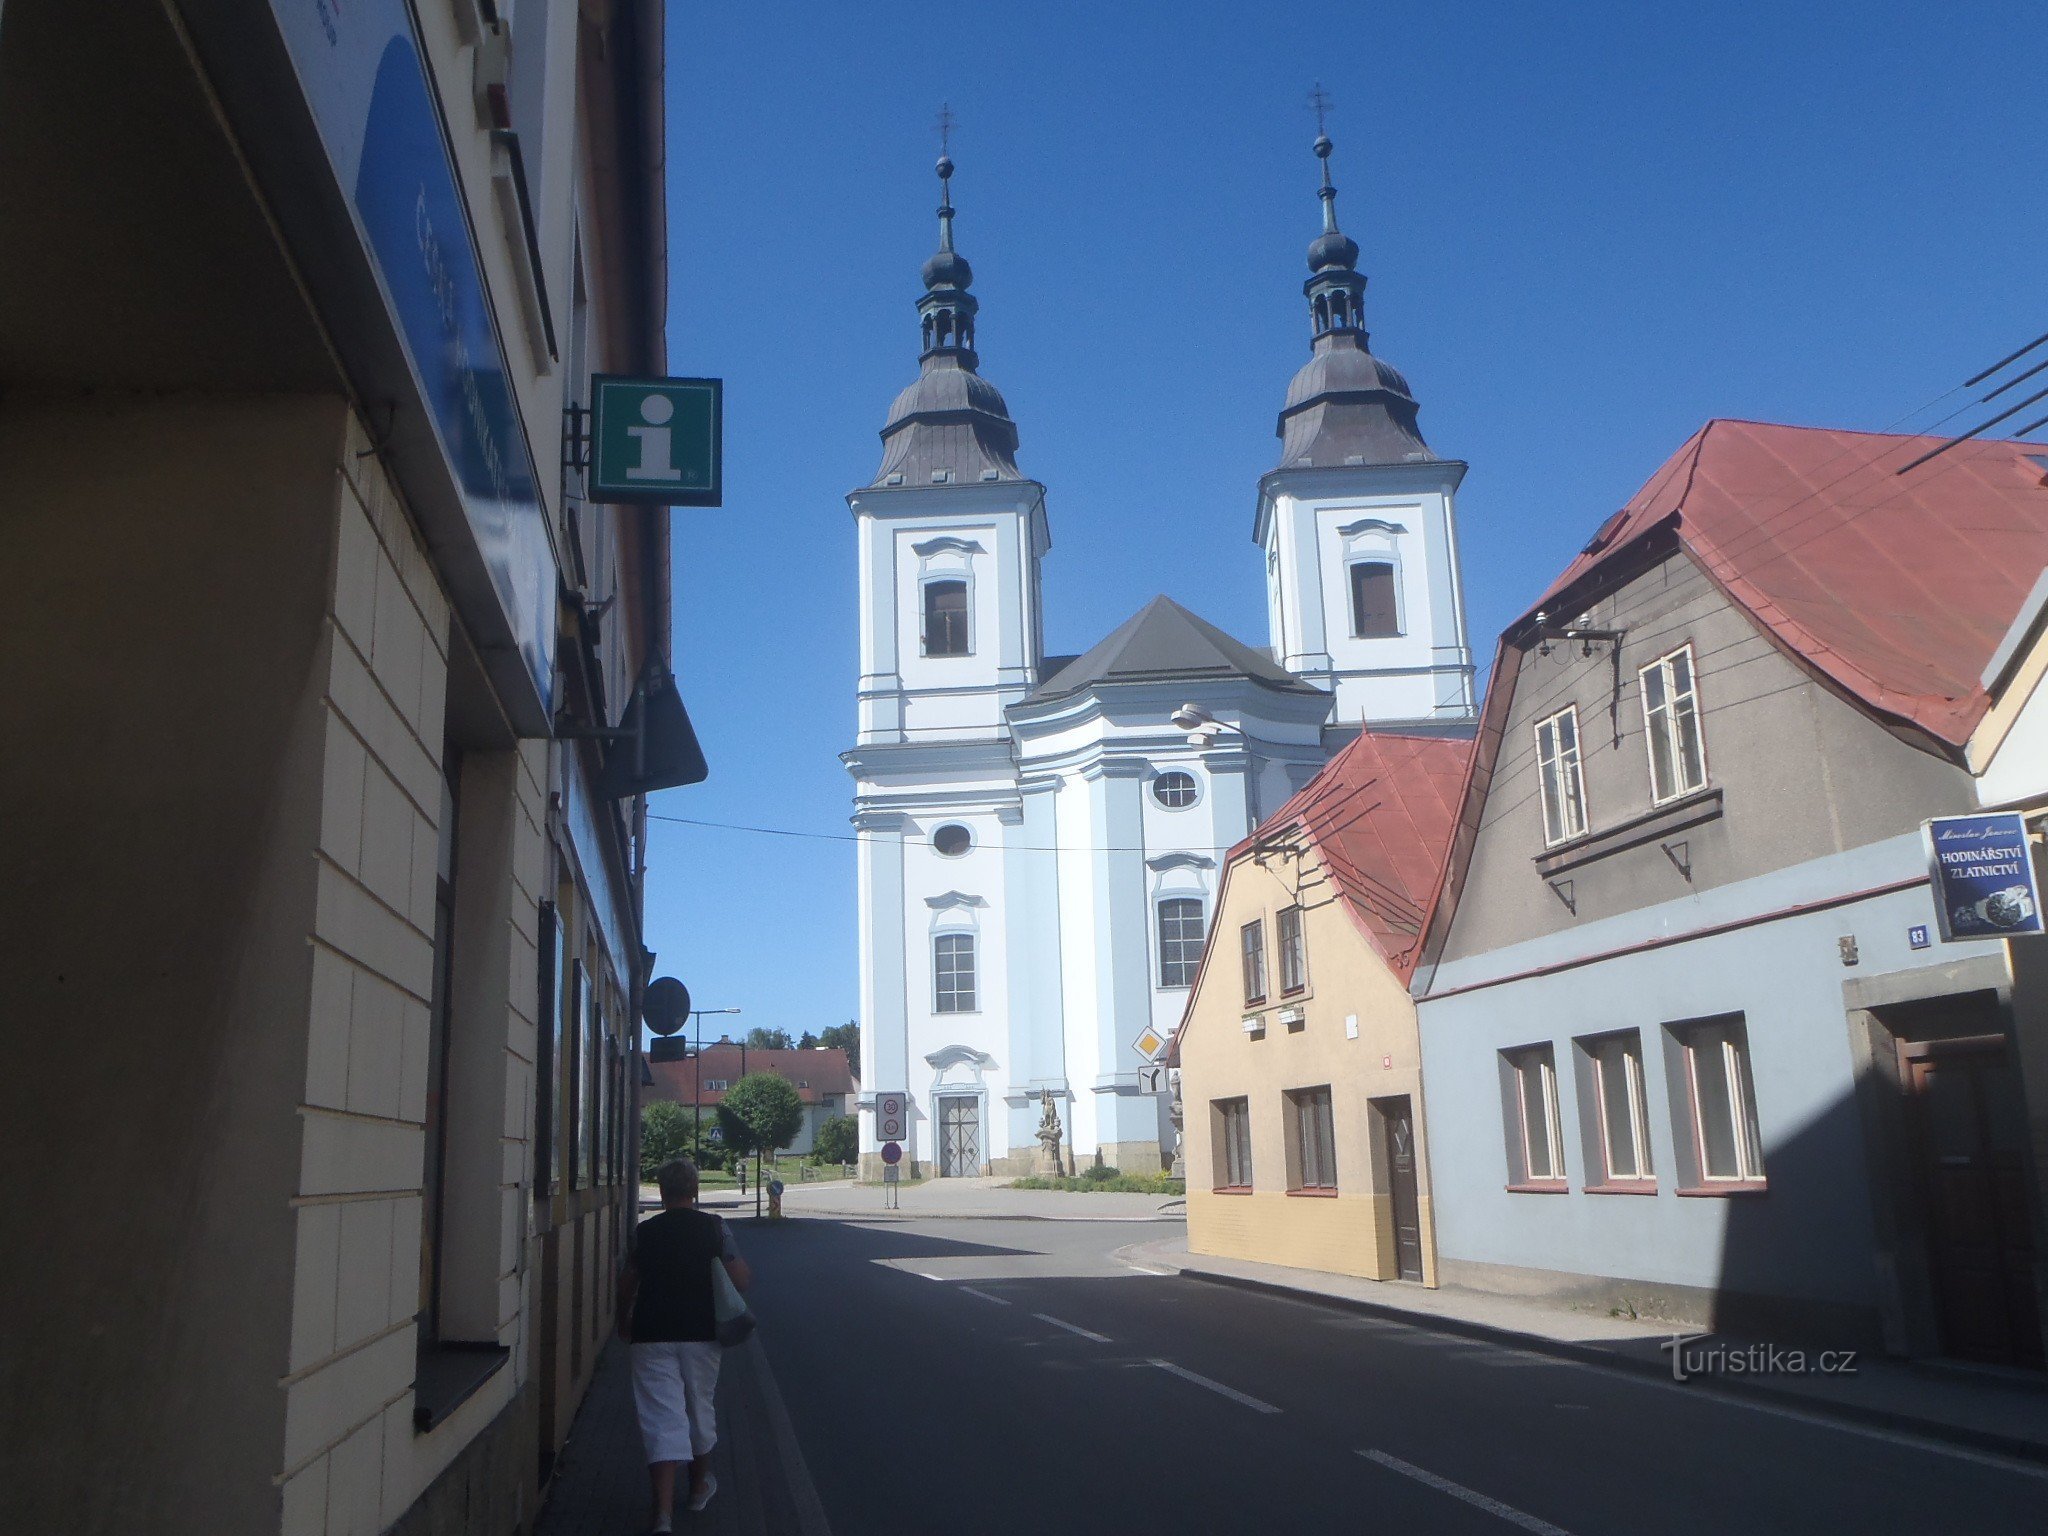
[(324, 945), (1300, 1076)]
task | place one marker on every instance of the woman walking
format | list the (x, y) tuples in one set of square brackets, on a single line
[(668, 1313)]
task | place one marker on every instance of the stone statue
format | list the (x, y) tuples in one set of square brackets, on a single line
[(1050, 1163)]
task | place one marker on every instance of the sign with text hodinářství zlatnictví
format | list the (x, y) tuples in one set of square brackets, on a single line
[(1983, 876), (656, 440)]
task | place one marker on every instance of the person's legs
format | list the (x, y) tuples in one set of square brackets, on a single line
[(699, 1369), (663, 1403)]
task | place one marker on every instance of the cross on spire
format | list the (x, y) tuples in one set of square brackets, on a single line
[(947, 122), (1319, 102)]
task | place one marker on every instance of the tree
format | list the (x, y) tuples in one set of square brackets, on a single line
[(838, 1140), (761, 1113), (845, 1037), (808, 1041), (664, 1135), (762, 1038)]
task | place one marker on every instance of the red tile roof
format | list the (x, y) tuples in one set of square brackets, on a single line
[(1380, 816), (1896, 587), (817, 1074)]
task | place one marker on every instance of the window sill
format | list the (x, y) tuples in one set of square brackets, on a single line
[(1661, 821), (1734, 1190), (1231, 1189), (1624, 1187), (449, 1375), (1547, 1187), (1313, 1194)]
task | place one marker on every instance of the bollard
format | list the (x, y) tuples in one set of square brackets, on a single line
[(775, 1199)]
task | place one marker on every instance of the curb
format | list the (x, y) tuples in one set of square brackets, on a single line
[(879, 1215), (2015, 1447)]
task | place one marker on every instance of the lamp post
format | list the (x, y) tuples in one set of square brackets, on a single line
[(1203, 728), (697, 1083)]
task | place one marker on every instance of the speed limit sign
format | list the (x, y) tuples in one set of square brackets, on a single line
[(892, 1116)]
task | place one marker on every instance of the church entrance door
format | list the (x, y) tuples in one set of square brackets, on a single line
[(959, 1138)]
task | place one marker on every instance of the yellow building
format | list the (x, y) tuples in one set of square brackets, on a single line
[(1300, 1072)]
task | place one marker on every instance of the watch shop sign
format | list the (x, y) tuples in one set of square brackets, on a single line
[(1983, 876)]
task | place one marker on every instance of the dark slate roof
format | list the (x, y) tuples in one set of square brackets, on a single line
[(1164, 641), (1348, 407), (950, 419)]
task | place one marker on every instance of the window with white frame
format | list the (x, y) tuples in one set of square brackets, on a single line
[(1180, 940), (1252, 947), (1175, 789), (1293, 951), (953, 973), (1723, 1096), (1624, 1100), (1535, 1132), (1671, 721), (1562, 784), (716, 1084), (945, 618), (1232, 1119), (1312, 1139), (1375, 612)]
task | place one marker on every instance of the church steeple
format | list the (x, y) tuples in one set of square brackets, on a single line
[(1336, 291), (947, 308)]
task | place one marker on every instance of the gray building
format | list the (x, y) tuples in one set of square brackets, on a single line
[(1693, 1044)]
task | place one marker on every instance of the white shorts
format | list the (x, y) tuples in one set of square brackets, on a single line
[(673, 1388)]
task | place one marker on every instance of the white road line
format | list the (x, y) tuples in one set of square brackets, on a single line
[(1092, 1337), (1146, 1269), (968, 1290), (1215, 1386), (1506, 1512)]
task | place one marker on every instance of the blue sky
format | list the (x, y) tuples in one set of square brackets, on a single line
[(1588, 228)]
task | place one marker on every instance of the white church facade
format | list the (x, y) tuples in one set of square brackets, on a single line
[(1040, 838)]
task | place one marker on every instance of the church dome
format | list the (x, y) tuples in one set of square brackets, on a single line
[(1332, 248), (947, 269), (1346, 406), (953, 420)]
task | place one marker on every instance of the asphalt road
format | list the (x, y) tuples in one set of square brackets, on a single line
[(1011, 1376)]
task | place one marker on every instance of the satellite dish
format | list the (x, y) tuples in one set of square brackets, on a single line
[(666, 1006)]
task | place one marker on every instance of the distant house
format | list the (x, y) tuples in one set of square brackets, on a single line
[(823, 1078), (1300, 1074), (1693, 1043)]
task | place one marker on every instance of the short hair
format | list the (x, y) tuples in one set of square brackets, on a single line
[(678, 1179)]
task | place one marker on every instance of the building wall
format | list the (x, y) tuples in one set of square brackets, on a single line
[(1348, 983)]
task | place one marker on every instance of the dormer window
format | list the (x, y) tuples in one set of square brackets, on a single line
[(945, 618), (1374, 614)]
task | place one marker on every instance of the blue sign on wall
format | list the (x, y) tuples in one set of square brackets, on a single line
[(1983, 876)]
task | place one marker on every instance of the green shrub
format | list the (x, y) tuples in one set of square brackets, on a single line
[(1101, 1173), (1113, 1184), (838, 1140)]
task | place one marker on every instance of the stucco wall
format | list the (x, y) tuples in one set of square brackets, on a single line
[(1347, 980)]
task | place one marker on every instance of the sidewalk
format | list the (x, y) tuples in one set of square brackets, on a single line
[(764, 1489), (972, 1199), (1998, 1411)]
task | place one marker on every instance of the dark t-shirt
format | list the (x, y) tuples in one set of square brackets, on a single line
[(673, 1253)]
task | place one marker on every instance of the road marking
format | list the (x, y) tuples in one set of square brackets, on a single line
[(1146, 1269), (1214, 1386), (1507, 1512), (968, 1290), (1094, 1338), (922, 1275)]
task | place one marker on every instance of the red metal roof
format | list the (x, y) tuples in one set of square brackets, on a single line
[(1380, 815), (1895, 587), (816, 1074)]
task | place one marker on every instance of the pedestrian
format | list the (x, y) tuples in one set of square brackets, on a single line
[(668, 1313)]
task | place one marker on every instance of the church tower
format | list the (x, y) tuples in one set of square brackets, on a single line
[(1358, 522)]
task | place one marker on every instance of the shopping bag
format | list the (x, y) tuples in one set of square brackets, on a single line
[(735, 1322)]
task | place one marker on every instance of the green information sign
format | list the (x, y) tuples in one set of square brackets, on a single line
[(657, 440)]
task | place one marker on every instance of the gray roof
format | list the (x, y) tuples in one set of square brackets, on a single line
[(951, 419), (1162, 642), (1345, 406)]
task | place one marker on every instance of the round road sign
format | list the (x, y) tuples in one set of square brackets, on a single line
[(666, 1006), (892, 1152)]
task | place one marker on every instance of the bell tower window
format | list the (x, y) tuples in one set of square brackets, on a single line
[(1374, 614), (945, 618)]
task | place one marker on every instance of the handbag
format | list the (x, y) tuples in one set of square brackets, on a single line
[(734, 1321)]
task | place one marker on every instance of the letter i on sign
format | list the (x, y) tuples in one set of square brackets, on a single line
[(654, 440)]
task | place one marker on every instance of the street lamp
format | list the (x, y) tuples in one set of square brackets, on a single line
[(1203, 728), (697, 1084)]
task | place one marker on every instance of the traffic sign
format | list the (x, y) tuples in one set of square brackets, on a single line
[(666, 1006), (892, 1152), (892, 1116), (1150, 1043), (890, 1173), (1151, 1079), (656, 440)]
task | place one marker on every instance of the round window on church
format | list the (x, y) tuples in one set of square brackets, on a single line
[(952, 840), (1175, 790)]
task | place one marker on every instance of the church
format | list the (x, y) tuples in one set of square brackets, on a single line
[(1040, 837)]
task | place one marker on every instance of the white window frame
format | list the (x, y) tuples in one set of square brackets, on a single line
[(1729, 1039), (1252, 958), (1552, 758), (924, 639), (1392, 562), (1194, 789), (1667, 722), (973, 988), (1542, 1059), (1192, 966), (1635, 1097)]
